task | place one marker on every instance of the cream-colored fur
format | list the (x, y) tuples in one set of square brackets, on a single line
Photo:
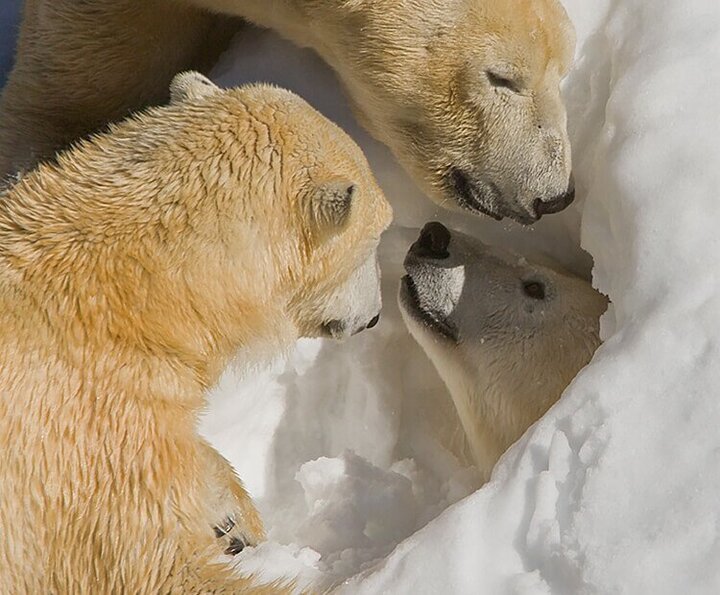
[(130, 271), (465, 92), (506, 350)]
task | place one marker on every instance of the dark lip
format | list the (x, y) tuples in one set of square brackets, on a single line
[(469, 197), (556, 204), (409, 297), (467, 194)]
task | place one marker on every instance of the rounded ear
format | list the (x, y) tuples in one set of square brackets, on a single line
[(330, 206), (191, 85)]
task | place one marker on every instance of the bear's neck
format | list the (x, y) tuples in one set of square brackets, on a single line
[(66, 362), (486, 444), (488, 421), (59, 346)]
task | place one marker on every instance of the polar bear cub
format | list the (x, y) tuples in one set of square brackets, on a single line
[(506, 335), (131, 271)]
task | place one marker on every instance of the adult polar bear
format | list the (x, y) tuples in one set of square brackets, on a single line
[(464, 92)]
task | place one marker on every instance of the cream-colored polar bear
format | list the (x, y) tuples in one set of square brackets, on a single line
[(130, 271), (464, 92), (506, 335)]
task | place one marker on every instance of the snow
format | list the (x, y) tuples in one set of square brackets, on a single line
[(351, 450)]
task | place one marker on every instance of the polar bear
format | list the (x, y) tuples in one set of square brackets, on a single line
[(131, 270), (465, 92), (506, 335)]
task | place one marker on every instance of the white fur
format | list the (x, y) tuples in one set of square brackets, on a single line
[(512, 355)]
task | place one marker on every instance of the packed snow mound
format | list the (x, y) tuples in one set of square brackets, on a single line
[(352, 450)]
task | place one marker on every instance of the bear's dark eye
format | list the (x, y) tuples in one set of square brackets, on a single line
[(534, 289), (497, 80)]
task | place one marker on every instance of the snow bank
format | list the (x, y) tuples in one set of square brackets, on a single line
[(352, 449)]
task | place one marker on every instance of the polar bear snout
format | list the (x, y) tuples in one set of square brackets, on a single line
[(339, 329), (474, 193), (431, 289), (355, 305), (554, 205), (433, 241)]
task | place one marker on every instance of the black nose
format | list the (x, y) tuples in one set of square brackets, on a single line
[(433, 241), (374, 321), (554, 205)]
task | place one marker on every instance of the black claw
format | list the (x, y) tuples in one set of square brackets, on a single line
[(236, 546), (225, 529)]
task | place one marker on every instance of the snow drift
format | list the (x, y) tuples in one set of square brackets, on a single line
[(348, 448)]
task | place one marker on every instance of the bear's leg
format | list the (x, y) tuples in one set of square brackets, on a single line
[(235, 522), (220, 580), (83, 64)]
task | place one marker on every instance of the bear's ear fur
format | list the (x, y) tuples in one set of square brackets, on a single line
[(191, 85), (331, 204)]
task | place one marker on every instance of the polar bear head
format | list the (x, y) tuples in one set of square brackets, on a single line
[(465, 92), (505, 334), (308, 190)]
